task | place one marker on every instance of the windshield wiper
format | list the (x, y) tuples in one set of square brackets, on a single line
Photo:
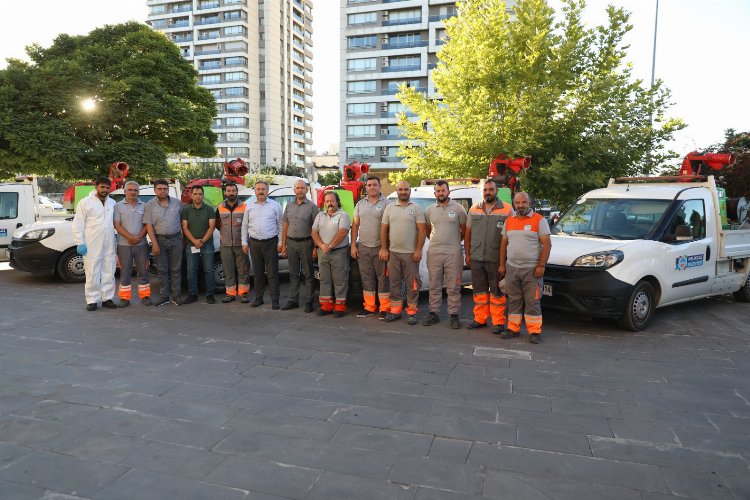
[(595, 235)]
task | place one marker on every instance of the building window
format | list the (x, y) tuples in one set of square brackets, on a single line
[(235, 106), (158, 9), (235, 76), (234, 30), (363, 18), (363, 42), (236, 121), (367, 64), (235, 61), (409, 61), (361, 153), (361, 108), (237, 136), (235, 46), (210, 79), (238, 152), (159, 23), (404, 16), (235, 91), (361, 87), (360, 131)]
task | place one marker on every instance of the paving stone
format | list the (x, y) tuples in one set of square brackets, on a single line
[(100, 446), (120, 421), (62, 473), (740, 485), (174, 460), (17, 491), (438, 474), (265, 477), (488, 432), (380, 400), (666, 455), (36, 433), (737, 425), (578, 407), (640, 430), (696, 484), (145, 485), (188, 434), (184, 410), (250, 443), (401, 443), (433, 494), (703, 439), (363, 415), (415, 376), (346, 460), (55, 411), (433, 366), (569, 467), (15, 402), (466, 410), (332, 486), (300, 407), (580, 424), (551, 440), (280, 424), (505, 484), (204, 394), (665, 416), (454, 450), (10, 452)]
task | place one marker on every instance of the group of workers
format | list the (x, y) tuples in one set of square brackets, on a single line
[(506, 248)]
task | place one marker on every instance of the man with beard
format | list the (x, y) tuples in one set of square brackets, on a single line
[(297, 245), (368, 215), (482, 245), (94, 235), (162, 216), (261, 227), (330, 231), (229, 215), (446, 224), (524, 251), (402, 237)]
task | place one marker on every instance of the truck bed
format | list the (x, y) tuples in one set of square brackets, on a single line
[(734, 243)]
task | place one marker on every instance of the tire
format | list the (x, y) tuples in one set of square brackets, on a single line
[(743, 294), (70, 267), (639, 308), (220, 280)]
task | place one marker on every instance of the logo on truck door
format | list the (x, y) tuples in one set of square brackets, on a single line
[(685, 261)]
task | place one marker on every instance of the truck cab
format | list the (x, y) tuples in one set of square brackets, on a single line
[(625, 250)]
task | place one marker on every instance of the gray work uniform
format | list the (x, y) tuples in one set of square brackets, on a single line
[(235, 261), (371, 268), (299, 218), (166, 224), (402, 238), (445, 260), (131, 219), (334, 264)]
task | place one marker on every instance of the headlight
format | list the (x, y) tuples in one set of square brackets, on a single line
[(600, 259), (36, 234)]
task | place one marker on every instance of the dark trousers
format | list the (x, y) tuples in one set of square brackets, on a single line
[(206, 257), (170, 266), (300, 261), (264, 257)]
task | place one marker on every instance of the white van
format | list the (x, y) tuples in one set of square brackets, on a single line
[(622, 251)]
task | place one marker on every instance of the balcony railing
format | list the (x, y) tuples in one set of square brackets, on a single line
[(208, 36), (441, 17), (392, 114), (405, 45), (392, 137), (210, 66), (178, 24), (208, 52), (208, 6), (211, 20), (396, 91), (399, 22), (393, 69), (390, 159), (181, 9), (182, 39)]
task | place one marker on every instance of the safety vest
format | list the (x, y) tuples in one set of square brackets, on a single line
[(486, 231), (230, 224)]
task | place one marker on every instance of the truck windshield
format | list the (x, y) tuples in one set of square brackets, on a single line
[(612, 219)]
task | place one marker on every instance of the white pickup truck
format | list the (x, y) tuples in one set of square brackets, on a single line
[(622, 251)]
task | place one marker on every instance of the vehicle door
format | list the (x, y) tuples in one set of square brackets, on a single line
[(690, 253), (12, 214)]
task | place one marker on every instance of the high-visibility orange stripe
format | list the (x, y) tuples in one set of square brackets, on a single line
[(397, 309), (385, 302), (144, 291), (411, 309), (243, 289), (414, 285), (124, 292)]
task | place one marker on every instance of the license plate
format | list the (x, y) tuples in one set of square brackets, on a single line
[(547, 290)]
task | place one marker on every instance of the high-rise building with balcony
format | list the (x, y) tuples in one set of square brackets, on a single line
[(255, 57), (385, 43)]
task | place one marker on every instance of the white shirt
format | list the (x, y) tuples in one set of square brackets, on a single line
[(262, 220)]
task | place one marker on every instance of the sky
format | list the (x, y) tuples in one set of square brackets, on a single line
[(701, 53)]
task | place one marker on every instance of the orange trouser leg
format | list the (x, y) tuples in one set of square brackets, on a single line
[(369, 301), (497, 309), (243, 289), (533, 323), (144, 291), (481, 307), (385, 301), (326, 303), (124, 292), (514, 322), (340, 305)]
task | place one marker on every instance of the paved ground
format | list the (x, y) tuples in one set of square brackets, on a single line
[(227, 402)]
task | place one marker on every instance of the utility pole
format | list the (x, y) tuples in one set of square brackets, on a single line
[(653, 55)]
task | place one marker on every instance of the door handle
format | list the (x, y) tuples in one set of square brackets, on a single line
[(19, 225), (708, 253)]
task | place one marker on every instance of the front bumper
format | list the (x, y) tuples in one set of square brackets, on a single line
[(585, 291), (32, 257)]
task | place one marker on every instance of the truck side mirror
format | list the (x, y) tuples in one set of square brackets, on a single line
[(683, 233)]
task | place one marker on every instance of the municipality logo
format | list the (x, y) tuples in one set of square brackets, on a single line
[(451, 214)]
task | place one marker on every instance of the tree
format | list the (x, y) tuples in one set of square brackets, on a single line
[(737, 176), (531, 85), (148, 105)]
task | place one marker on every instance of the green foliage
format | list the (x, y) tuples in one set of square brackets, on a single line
[(330, 178), (50, 185), (534, 85), (197, 170), (148, 105), (737, 176)]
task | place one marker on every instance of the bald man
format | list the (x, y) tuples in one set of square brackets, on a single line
[(297, 245), (402, 234), (524, 250)]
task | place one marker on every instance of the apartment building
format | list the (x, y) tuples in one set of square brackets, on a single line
[(255, 57)]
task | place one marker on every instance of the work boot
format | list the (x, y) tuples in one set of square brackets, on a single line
[(498, 329), (123, 303), (391, 317), (161, 301), (227, 299), (244, 298), (535, 338), (455, 322), (431, 319), (474, 325), (91, 307), (412, 319), (364, 313), (210, 299), (109, 304), (323, 312), (190, 299), (290, 305), (257, 303), (383, 315), (510, 334), (177, 300), (339, 314), (146, 301), (309, 307)]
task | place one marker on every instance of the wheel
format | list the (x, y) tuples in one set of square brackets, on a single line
[(70, 266), (743, 294), (220, 279), (639, 307), (355, 282)]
